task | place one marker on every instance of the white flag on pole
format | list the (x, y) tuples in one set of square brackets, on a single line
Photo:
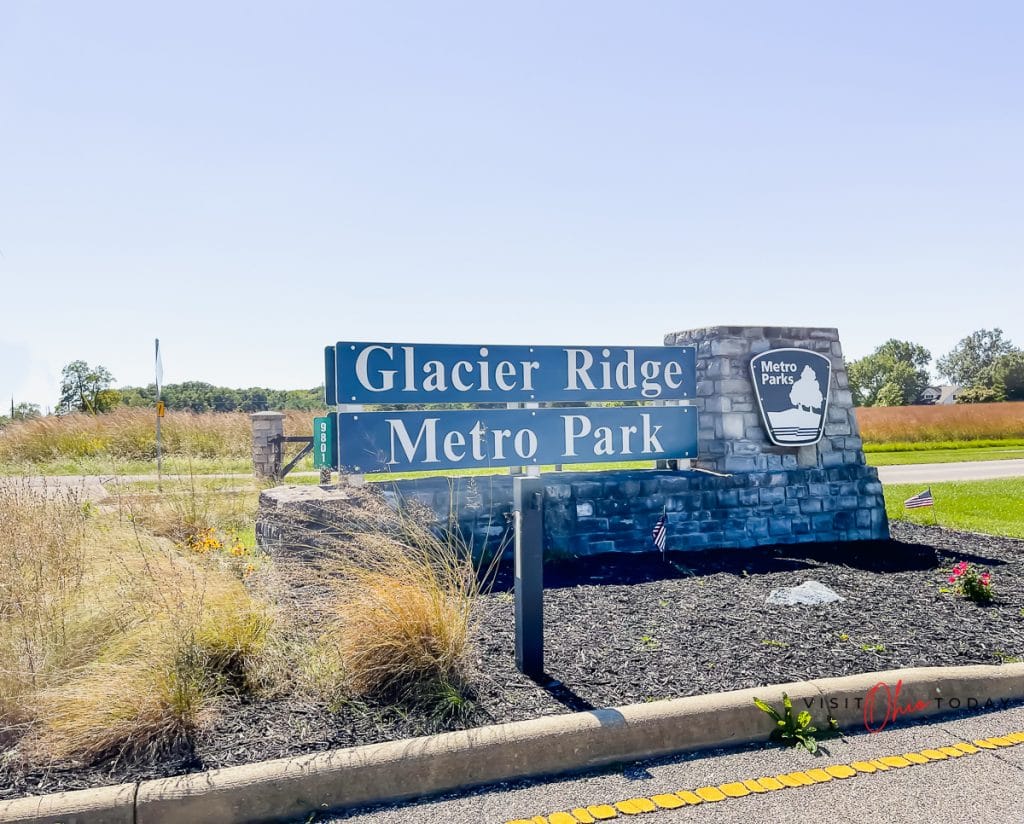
[(159, 369)]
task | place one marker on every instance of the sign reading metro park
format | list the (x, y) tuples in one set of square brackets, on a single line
[(396, 374)]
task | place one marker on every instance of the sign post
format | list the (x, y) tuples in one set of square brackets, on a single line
[(528, 509), (159, 369)]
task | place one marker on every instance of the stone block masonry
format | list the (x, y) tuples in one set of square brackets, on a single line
[(586, 513), (266, 457), (732, 437)]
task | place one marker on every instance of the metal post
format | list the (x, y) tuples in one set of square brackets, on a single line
[(159, 373), (159, 454), (528, 496)]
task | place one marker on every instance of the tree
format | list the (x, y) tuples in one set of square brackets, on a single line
[(806, 392), (967, 363), (979, 394), (1002, 381), (85, 388), (25, 411), (895, 374)]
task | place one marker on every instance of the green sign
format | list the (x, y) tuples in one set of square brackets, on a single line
[(324, 448)]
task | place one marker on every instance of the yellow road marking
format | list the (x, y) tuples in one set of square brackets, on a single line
[(710, 794), (744, 787), (635, 806), (801, 778)]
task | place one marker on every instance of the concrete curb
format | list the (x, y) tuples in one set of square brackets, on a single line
[(397, 770)]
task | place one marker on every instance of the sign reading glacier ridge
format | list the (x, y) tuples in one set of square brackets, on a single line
[(396, 373), (792, 391)]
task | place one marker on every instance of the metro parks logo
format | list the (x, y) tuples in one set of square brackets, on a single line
[(792, 390)]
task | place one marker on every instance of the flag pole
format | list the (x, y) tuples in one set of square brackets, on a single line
[(935, 517), (159, 444), (664, 513)]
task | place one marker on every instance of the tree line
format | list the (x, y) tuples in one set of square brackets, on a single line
[(90, 389), (985, 367)]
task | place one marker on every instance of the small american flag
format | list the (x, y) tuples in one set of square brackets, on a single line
[(660, 532), (920, 499)]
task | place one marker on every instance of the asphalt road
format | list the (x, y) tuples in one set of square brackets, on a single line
[(982, 788), (964, 471)]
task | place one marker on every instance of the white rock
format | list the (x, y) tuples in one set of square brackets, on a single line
[(809, 592)]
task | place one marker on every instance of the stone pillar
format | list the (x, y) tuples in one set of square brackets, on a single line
[(266, 456), (732, 437), (824, 492)]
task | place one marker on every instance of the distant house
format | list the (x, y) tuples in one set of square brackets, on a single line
[(938, 395)]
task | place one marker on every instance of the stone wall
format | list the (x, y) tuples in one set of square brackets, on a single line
[(586, 513)]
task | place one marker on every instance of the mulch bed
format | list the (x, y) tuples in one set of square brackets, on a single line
[(624, 629)]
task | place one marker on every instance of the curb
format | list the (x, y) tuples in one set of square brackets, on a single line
[(399, 770)]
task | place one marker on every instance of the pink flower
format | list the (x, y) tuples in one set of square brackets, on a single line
[(985, 578), (952, 579)]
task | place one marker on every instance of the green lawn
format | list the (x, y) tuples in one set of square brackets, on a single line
[(994, 507), (923, 456)]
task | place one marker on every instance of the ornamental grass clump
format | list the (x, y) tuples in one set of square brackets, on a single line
[(971, 584), (405, 618)]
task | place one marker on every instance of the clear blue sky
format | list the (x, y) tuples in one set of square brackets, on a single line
[(251, 181)]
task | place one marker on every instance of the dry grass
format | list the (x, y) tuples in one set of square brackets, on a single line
[(113, 641), (404, 615), (124, 628), (130, 434), (966, 422)]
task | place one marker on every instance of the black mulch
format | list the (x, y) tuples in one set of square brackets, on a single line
[(624, 629)]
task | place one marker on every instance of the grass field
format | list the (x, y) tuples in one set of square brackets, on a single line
[(994, 507), (123, 442), (929, 456), (938, 424)]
